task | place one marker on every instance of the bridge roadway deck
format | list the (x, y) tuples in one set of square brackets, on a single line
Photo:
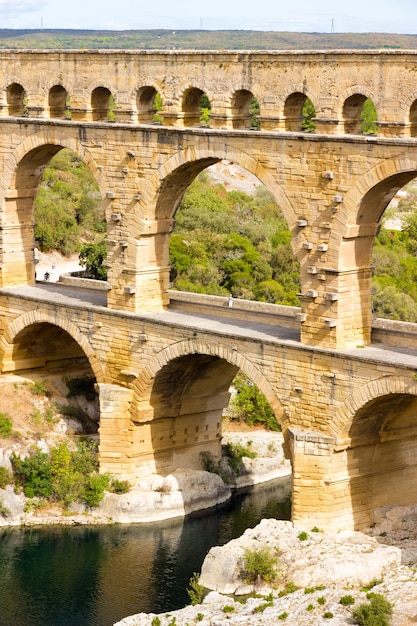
[(71, 297)]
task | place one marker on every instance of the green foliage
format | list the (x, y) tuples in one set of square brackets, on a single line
[(369, 118), (230, 242), (92, 257), (156, 621), (64, 475), (38, 388), (228, 609), (377, 612), (328, 615), (67, 206), (6, 426), (310, 607), (347, 600), (374, 582), (303, 535), (283, 615), (94, 489), (259, 564), (308, 113), (261, 607), (195, 590), (33, 474), (290, 587), (119, 486), (209, 463), (6, 477), (321, 600), (250, 405), (235, 452), (4, 511)]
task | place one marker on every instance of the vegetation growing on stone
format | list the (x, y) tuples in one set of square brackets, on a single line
[(376, 612), (259, 565)]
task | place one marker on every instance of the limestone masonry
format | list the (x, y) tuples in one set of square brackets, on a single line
[(163, 364)]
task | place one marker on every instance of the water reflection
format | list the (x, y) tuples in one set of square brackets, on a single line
[(94, 576)]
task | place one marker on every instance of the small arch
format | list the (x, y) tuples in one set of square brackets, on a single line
[(32, 322), (413, 119), (195, 107), (149, 105), (102, 105), (299, 113), (245, 110), (359, 115), (58, 102), (16, 100)]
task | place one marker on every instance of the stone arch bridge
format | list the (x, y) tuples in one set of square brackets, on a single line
[(342, 384)]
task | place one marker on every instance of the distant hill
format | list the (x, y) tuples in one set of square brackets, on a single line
[(37, 39)]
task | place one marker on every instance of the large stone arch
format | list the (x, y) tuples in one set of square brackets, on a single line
[(196, 158), (360, 398), (46, 137), (178, 402), (373, 460), (144, 380), (18, 187), (356, 222), (43, 317)]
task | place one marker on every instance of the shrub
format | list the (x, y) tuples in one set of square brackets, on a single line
[(119, 486), (251, 405), (4, 511), (375, 613), (328, 615), (5, 477), (195, 590), (347, 600), (33, 474), (235, 453), (310, 607), (6, 426), (94, 489), (228, 609), (38, 388), (261, 607), (156, 621), (283, 615), (259, 564), (290, 587), (321, 600), (303, 536)]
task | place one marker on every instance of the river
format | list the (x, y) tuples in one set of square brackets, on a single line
[(95, 575)]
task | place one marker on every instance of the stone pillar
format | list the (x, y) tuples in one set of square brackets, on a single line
[(17, 266), (316, 501), (115, 430), (393, 129), (139, 279)]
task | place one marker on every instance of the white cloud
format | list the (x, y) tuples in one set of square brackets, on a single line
[(13, 7)]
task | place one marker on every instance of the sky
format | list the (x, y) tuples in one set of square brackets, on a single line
[(323, 16)]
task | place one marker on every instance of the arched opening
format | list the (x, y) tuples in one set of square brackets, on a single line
[(245, 110), (68, 206), (102, 105), (359, 116), (380, 455), (195, 107), (149, 106), (413, 119), (299, 113), (230, 238), (16, 100), (182, 415), (45, 359), (58, 102), (394, 261)]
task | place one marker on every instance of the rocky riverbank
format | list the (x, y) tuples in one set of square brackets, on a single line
[(320, 577), (160, 497)]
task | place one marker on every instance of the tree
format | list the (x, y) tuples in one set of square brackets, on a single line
[(92, 257)]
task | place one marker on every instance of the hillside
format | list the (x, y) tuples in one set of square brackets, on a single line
[(199, 40)]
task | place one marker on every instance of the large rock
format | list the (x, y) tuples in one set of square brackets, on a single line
[(158, 498), (350, 558)]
